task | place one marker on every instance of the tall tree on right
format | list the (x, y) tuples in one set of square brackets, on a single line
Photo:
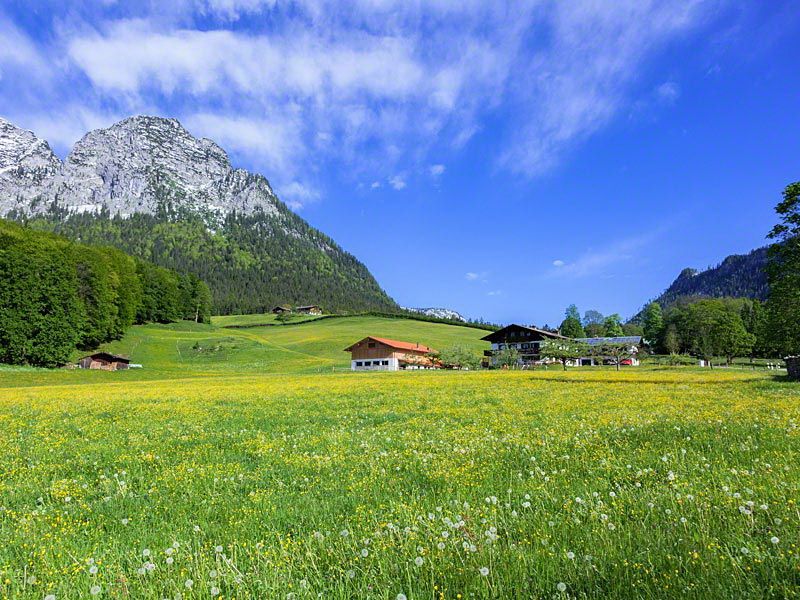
[(783, 272)]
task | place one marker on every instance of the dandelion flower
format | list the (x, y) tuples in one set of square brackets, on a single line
[(419, 560), (401, 597), (218, 549), (125, 521), (484, 571), (94, 590), (774, 540), (50, 597), (214, 591), (188, 584), (570, 555), (561, 586)]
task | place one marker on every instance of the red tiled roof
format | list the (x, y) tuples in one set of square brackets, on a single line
[(395, 344)]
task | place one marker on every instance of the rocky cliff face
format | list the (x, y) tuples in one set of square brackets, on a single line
[(27, 164), (139, 165)]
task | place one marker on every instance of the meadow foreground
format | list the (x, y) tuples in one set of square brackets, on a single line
[(591, 483)]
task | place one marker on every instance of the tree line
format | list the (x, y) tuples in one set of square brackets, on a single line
[(251, 262), (57, 296), (708, 328)]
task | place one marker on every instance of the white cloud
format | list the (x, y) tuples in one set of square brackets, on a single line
[(668, 92), (578, 83), (375, 185), (297, 195), (596, 261), (398, 182), (274, 144), (472, 276), (374, 86), (495, 293)]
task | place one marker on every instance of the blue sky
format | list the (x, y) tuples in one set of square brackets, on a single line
[(501, 159)]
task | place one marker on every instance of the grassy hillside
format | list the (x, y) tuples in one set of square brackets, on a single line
[(590, 483), (187, 349)]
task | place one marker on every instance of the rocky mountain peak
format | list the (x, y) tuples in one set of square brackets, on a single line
[(26, 161), (142, 164)]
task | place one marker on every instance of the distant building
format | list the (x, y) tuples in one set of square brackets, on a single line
[(381, 354), (634, 341), (279, 310), (105, 361), (525, 340), (309, 310)]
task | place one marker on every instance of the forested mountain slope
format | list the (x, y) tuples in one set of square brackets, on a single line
[(738, 276), (148, 187)]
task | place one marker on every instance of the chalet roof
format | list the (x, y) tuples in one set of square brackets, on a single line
[(307, 307), (625, 339), (393, 344), (500, 334), (110, 357)]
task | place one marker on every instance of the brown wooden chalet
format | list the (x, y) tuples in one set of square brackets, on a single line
[(525, 340), (381, 354), (312, 309), (105, 361), (278, 310)]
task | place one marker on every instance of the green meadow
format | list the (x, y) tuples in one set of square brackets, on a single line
[(250, 463)]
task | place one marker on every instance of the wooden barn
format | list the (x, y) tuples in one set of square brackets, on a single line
[(279, 310), (381, 354), (309, 310), (105, 361)]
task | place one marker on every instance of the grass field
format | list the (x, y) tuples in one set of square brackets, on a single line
[(256, 471)]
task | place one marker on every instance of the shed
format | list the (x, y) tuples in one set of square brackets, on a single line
[(105, 361), (312, 309)]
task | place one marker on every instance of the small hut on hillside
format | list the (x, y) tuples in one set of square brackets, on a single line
[(105, 361)]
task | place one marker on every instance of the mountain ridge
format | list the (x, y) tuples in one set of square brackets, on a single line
[(148, 186), (736, 276)]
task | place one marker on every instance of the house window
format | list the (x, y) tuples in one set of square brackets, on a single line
[(385, 363), (525, 346), (359, 363)]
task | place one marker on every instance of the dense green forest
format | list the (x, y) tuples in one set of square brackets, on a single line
[(251, 263), (57, 295)]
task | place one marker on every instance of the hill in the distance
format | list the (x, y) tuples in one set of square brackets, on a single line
[(148, 187), (738, 276)]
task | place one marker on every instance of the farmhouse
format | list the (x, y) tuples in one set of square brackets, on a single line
[(279, 310), (381, 354), (525, 340), (309, 310), (105, 361), (632, 341)]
